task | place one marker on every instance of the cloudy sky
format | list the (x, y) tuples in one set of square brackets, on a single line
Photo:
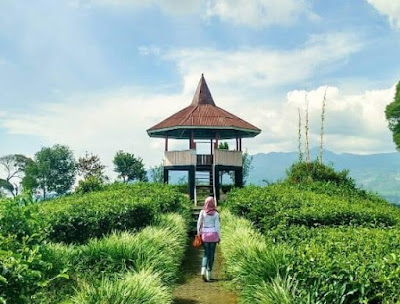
[(96, 74)]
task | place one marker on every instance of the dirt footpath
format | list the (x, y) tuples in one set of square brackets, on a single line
[(192, 289)]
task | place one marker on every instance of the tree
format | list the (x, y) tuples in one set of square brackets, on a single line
[(247, 160), (14, 167), (53, 169), (157, 174), (89, 166), (392, 113), (129, 167)]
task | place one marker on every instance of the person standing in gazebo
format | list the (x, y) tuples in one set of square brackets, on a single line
[(208, 226)]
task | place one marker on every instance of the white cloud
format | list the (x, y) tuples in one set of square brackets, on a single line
[(389, 8), (174, 7), (255, 13), (261, 68), (105, 124), (353, 123), (259, 13)]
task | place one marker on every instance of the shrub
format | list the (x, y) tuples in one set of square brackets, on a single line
[(23, 270), (19, 220), (284, 205), (303, 172), (77, 218), (89, 184)]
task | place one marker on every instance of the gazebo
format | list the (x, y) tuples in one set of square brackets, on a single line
[(204, 122)]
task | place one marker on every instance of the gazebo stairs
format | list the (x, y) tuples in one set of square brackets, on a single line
[(195, 215), (204, 186)]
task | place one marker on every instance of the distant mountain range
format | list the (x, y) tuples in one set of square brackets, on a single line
[(376, 172)]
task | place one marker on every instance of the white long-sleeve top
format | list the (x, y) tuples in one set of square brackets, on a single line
[(208, 223)]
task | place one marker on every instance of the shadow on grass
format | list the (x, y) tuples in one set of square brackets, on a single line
[(185, 301)]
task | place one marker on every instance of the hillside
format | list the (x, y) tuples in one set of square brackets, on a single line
[(376, 172)]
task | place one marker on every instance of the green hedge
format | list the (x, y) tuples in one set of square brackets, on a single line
[(342, 248), (282, 204), (347, 264), (77, 218)]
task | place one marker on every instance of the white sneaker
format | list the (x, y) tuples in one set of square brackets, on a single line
[(208, 276), (203, 273)]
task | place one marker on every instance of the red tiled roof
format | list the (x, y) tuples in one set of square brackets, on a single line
[(203, 114)]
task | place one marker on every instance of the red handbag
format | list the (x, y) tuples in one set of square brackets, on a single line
[(197, 242)]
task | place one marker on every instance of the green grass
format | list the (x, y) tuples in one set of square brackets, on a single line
[(143, 287)]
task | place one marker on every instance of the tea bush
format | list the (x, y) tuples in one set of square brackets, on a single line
[(23, 270), (282, 204), (76, 218), (348, 264), (343, 246)]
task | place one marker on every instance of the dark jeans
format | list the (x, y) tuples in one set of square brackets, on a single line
[(208, 257)]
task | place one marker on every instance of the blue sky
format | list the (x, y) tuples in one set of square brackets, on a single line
[(95, 74)]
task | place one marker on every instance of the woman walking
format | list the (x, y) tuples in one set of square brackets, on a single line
[(209, 229)]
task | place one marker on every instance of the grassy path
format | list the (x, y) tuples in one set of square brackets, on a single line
[(192, 289)]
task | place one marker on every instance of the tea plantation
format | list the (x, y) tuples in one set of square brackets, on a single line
[(313, 241), (123, 244), (312, 238)]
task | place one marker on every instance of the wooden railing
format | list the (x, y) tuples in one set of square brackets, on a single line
[(180, 158), (190, 158), (228, 158)]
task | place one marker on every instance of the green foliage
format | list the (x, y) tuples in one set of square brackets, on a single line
[(53, 169), (348, 264), (23, 270), (89, 184), (250, 261), (392, 113), (90, 166), (141, 287), (157, 174), (306, 173), (223, 145), (158, 249), (129, 167), (342, 242), (76, 218), (283, 205), (19, 220)]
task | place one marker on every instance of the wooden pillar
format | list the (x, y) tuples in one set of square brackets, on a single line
[(191, 141), (217, 184), (166, 143), (191, 182), (237, 143), (239, 177), (240, 144), (166, 176)]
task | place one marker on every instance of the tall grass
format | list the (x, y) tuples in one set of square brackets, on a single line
[(157, 249), (143, 287), (248, 259)]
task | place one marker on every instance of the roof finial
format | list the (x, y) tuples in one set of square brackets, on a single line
[(202, 94)]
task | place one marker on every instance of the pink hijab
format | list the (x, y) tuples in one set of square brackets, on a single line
[(209, 205)]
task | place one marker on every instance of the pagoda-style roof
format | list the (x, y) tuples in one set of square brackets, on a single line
[(204, 119)]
